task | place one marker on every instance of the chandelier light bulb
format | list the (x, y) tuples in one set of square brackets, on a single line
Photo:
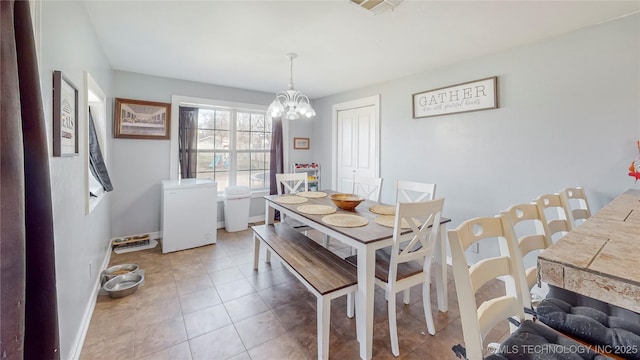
[(293, 104)]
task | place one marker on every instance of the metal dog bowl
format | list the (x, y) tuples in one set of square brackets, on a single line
[(123, 285), (116, 270)]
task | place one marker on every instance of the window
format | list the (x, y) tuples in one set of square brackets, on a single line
[(233, 145)]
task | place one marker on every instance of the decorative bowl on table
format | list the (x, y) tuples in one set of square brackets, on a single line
[(346, 201)]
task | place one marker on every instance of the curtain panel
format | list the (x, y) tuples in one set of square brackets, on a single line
[(29, 328), (96, 161), (188, 141)]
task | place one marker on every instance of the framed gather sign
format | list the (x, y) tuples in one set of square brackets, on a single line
[(470, 96)]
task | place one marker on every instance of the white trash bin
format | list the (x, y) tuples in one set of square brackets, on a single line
[(236, 208)]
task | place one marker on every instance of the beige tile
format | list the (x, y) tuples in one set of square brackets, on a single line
[(282, 347), (149, 294), (206, 320), (187, 271), (176, 352), (158, 337), (115, 347), (259, 328), (235, 289), (194, 284), (245, 306), (226, 276), (157, 312), (199, 300), (223, 343)]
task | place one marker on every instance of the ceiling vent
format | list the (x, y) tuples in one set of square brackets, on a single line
[(377, 6)]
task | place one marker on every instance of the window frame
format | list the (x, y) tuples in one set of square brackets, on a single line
[(233, 107)]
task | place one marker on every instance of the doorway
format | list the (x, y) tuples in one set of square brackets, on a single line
[(355, 141)]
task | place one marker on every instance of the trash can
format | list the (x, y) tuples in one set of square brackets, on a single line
[(236, 208)]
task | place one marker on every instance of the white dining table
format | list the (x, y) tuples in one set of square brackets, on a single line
[(366, 240)]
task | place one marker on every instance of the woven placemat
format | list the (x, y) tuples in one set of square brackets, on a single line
[(317, 209), (345, 220), (383, 209), (389, 221), (290, 199), (312, 194)]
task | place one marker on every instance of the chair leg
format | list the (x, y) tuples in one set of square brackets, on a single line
[(350, 304), (324, 316), (393, 325), (426, 303), (268, 259), (325, 241), (406, 296)]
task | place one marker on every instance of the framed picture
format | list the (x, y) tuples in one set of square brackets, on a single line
[(470, 96), (138, 119), (301, 143), (65, 116)]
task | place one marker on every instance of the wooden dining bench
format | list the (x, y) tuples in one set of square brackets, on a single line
[(324, 273)]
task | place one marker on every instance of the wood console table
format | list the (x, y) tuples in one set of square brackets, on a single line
[(600, 257)]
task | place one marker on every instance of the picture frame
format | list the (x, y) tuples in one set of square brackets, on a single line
[(300, 143), (460, 98), (65, 116), (140, 119)]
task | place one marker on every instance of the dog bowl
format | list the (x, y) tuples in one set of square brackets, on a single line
[(346, 201), (123, 285), (116, 270)]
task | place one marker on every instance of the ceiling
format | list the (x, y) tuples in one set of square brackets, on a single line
[(340, 45)]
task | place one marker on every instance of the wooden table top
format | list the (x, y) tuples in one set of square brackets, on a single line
[(599, 258), (371, 232)]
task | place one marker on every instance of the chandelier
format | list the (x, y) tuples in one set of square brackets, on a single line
[(291, 103)]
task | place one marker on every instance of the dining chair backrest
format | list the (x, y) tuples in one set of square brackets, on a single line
[(411, 191), (528, 225), (292, 183), (555, 211), (368, 187), (575, 199), (478, 321)]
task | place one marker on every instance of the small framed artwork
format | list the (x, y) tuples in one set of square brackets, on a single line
[(301, 143), (138, 119), (65, 116)]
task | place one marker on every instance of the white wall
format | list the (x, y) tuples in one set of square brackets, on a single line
[(569, 115), (141, 165), (68, 43)]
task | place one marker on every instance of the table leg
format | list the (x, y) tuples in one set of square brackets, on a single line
[(256, 251), (269, 215), (365, 300), (440, 258)]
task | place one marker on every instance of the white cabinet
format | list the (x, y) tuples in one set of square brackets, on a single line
[(313, 172), (189, 213)]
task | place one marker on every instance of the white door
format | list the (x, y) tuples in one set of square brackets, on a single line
[(357, 148)]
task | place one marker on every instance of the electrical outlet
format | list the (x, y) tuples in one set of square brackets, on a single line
[(475, 248)]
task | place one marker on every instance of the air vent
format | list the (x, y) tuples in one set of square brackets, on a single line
[(377, 6)]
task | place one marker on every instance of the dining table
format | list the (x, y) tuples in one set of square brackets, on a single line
[(366, 239), (599, 257)]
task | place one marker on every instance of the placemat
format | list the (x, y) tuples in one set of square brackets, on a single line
[(290, 199), (383, 209), (389, 221), (312, 194), (345, 220), (317, 209)]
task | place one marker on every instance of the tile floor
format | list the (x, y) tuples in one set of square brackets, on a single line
[(209, 303)]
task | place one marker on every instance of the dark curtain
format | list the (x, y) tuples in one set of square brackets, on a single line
[(29, 328), (96, 161), (277, 162), (188, 141)]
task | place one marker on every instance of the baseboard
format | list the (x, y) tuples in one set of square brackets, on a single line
[(88, 312)]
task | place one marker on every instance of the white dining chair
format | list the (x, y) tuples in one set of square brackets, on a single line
[(368, 187), (528, 225), (577, 206), (411, 191), (291, 183), (555, 211), (398, 270), (477, 321)]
